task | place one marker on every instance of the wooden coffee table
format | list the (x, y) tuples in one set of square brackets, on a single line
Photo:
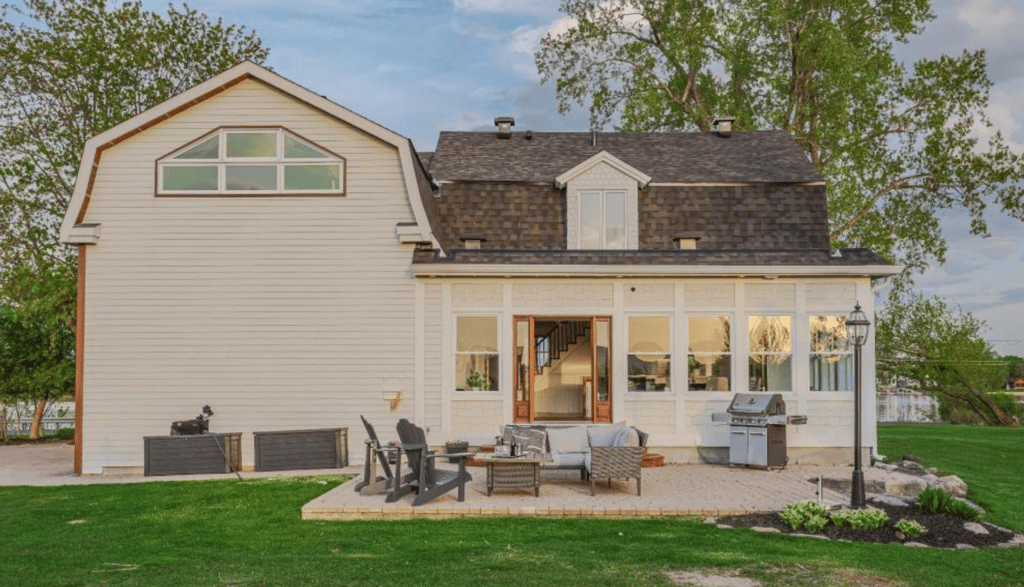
[(512, 472)]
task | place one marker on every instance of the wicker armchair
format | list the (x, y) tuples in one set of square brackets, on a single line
[(615, 462)]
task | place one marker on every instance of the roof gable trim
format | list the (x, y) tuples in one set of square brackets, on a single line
[(603, 157)]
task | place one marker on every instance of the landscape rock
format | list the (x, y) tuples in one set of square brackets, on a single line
[(764, 530), (931, 480), (912, 457), (886, 499), (904, 485), (953, 485), (975, 527), (911, 466), (965, 547), (724, 526), (932, 471), (885, 466), (915, 545), (818, 536), (710, 520)]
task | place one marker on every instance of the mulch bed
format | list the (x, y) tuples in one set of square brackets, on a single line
[(944, 531)]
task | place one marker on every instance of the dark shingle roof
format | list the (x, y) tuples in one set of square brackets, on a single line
[(698, 258), (671, 157)]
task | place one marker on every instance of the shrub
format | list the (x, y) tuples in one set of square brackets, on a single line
[(804, 513), (866, 519), (934, 500), (66, 433), (911, 529)]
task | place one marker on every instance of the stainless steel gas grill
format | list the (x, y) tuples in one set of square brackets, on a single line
[(757, 430)]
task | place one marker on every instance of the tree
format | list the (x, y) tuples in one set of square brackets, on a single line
[(895, 145), (37, 342), (71, 70), (941, 349)]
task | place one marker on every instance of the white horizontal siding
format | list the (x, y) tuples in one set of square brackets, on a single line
[(279, 312)]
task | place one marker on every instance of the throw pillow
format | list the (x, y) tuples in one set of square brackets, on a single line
[(604, 435), (628, 437)]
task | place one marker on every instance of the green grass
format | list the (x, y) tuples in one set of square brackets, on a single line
[(989, 459), (235, 533)]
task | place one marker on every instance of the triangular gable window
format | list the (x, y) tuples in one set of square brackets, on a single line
[(233, 161)]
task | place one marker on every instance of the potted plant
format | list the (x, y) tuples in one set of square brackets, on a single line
[(455, 445), (475, 381)]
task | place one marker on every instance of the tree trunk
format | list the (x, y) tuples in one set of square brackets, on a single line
[(37, 418)]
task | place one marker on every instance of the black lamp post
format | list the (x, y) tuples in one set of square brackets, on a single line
[(857, 326)]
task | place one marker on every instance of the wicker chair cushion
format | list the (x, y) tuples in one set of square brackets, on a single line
[(569, 459), (568, 440), (604, 435)]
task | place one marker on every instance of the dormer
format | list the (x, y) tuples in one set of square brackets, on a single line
[(602, 203)]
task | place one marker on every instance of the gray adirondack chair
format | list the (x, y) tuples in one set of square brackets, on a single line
[(372, 483), (428, 483)]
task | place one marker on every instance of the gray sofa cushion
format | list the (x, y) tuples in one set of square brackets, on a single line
[(569, 459), (627, 437), (604, 434), (568, 440)]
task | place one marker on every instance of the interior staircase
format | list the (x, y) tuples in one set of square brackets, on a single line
[(557, 340)]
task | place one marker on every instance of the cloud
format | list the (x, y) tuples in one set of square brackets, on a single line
[(991, 18), (505, 6)]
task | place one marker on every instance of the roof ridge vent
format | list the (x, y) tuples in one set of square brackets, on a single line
[(504, 124), (722, 126)]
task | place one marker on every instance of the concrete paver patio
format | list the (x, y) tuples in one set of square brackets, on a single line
[(673, 490)]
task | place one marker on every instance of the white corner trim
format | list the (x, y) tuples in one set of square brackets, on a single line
[(84, 234), (603, 157), (225, 78), (482, 269)]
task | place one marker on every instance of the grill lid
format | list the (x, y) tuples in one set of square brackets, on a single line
[(757, 404)]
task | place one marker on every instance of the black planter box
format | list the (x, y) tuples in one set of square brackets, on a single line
[(193, 454), (282, 450)]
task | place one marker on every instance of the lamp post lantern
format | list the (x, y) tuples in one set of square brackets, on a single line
[(857, 326)]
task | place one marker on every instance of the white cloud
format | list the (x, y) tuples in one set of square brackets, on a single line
[(506, 6), (991, 18)]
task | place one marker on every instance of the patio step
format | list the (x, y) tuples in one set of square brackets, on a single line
[(652, 460)]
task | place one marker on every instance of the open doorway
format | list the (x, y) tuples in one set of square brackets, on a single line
[(562, 369)]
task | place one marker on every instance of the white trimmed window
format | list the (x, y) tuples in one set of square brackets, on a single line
[(709, 356), (602, 219), (476, 353), (771, 353), (831, 361), (248, 161), (649, 354)]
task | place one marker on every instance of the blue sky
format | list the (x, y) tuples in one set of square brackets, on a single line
[(418, 67)]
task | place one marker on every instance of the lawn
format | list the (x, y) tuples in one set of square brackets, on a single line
[(235, 533)]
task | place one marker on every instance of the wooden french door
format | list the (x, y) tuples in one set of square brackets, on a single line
[(525, 359), (600, 363)]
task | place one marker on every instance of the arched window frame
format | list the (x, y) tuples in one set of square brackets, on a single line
[(283, 166)]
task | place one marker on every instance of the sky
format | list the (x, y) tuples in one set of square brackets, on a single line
[(418, 67)]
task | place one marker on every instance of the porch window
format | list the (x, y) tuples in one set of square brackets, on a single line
[(771, 353), (649, 353), (831, 360), (245, 161), (709, 355), (602, 220), (476, 353)]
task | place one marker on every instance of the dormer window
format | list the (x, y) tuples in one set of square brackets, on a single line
[(236, 161), (602, 219)]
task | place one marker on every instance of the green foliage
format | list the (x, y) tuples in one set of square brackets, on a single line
[(942, 351), (894, 141), (809, 514), (911, 528), (933, 500), (865, 519), (37, 340), (73, 69), (65, 433)]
